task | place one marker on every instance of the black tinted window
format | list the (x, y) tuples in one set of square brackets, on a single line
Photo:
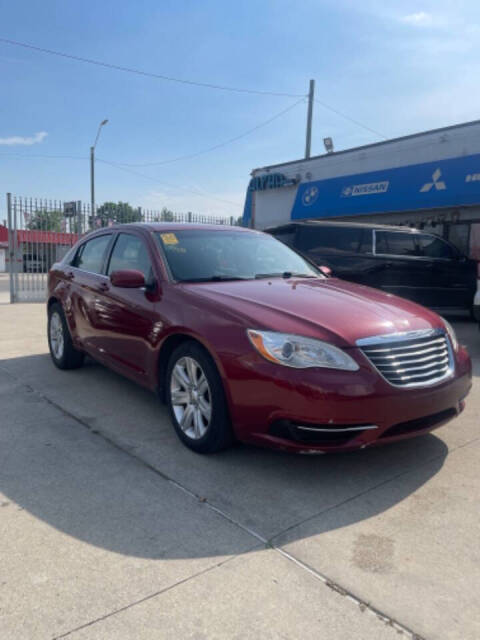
[(395, 243), (90, 255), (323, 240), (130, 252), (433, 247), (286, 235)]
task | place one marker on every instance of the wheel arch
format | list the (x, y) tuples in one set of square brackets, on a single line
[(168, 346)]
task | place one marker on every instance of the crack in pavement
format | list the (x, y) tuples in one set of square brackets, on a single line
[(144, 599)]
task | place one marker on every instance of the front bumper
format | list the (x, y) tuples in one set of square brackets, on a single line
[(301, 410)]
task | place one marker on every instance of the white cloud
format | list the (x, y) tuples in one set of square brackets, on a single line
[(419, 19), (24, 140)]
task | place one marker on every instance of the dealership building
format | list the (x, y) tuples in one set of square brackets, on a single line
[(429, 180)]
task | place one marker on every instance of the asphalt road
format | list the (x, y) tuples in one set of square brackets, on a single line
[(110, 528)]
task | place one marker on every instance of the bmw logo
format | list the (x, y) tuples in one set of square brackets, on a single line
[(310, 195)]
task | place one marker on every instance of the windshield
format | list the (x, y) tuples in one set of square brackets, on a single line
[(197, 255)]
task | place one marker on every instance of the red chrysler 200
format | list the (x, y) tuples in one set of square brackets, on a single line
[(245, 339)]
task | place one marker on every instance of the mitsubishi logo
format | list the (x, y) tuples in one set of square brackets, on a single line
[(437, 183)]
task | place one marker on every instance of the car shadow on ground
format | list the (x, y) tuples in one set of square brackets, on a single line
[(94, 456)]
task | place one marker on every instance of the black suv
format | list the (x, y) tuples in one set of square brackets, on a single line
[(409, 263)]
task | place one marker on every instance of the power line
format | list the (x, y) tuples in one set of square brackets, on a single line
[(207, 85), (148, 74), (343, 115), (220, 144), (41, 155), (167, 184)]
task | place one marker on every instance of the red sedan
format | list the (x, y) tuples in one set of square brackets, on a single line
[(243, 338)]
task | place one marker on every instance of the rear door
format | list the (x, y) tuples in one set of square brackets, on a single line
[(86, 281), (452, 275), (403, 272)]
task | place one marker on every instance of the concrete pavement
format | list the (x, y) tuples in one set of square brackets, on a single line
[(110, 528)]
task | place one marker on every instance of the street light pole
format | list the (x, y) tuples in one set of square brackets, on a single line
[(92, 170), (308, 141)]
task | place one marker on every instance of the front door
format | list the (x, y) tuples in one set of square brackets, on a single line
[(128, 315), (452, 276)]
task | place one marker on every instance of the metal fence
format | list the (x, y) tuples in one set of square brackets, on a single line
[(40, 231)]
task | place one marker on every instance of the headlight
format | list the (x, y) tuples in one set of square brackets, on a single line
[(298, 352), (451, 334)]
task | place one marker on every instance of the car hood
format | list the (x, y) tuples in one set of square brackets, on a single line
[(329, 308)]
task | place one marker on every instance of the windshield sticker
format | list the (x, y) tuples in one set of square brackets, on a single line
[(169, 238)]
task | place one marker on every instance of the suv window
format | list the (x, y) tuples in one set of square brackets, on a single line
[(89, 256), (434, 247), (130, 252), (318, 241), (395, 243)]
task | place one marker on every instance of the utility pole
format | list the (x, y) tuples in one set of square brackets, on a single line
[(308, 142), (92, 181), (92, 170)]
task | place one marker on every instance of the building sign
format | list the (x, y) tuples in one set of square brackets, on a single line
[(69, 209), (270, 181), (443, 183), (365, 189)]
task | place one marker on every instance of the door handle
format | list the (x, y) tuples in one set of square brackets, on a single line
[(103, 286), (69, 275)]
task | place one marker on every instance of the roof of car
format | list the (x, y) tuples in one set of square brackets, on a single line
[(331, 223), (174, 226)]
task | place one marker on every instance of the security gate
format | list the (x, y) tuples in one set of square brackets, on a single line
[(41, 231)]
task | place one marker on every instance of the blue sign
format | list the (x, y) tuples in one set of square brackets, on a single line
[(443, 183), (270, 181)]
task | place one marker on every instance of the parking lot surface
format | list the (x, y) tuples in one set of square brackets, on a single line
[(110, 528)]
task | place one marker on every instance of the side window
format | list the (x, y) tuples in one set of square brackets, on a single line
[(130, 252), (434, 247), (395, 243), (331, 240), (90, 255)]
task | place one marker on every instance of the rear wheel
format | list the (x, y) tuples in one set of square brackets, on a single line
[(196, 400), (62, 351)]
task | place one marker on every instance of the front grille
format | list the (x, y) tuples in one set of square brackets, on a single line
[(411, 359)]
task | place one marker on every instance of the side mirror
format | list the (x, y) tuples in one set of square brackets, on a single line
[(325, 270), (127, 279)]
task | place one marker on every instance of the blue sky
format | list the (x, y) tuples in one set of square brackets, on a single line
[(397, 67)]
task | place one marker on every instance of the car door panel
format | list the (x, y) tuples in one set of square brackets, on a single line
[(128, 317)]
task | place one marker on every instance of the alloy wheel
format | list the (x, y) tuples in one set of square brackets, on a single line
[(191, 397), (57, 341)]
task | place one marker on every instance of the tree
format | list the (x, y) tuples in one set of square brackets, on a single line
[(46, 221), (112, 212)]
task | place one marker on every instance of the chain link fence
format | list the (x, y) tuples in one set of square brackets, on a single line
[(39, 232)]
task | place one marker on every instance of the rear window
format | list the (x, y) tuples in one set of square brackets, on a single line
[(89, 256), (329, 240)]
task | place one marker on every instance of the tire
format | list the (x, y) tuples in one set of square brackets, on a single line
[(196, 399), (62, 351)]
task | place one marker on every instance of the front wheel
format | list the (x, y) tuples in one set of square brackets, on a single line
[(62, 351), (196, 400)]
